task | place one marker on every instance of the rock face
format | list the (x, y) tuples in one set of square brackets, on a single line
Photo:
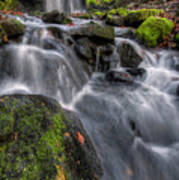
[(12, 28), (40, 140), (128, 55), (94, 31), (154, 30), (56, 18)]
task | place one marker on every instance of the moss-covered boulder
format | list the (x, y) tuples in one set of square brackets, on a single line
[(12, 28), (39, 140), (136, 17), (154, 30), (94, 31), (56, 18)]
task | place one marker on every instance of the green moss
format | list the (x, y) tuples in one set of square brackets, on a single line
[(97, 2), (85, 16), (136, 17), (38, 147), (120, 11), (154, 30), (12, 27)]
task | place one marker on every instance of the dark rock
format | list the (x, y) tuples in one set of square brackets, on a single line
[(45, 141), (118, 76), (128, 55), (84, 47), (107, 49), (57, 32), (56, 18), (177, 91), (136, 71), (97, 33)]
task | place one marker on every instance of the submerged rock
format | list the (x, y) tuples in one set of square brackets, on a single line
[(56, 18), (136, 71), (128, 55), (118, 76), (154, 30), (46, 142)]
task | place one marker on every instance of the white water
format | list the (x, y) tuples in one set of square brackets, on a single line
[(72, 6)]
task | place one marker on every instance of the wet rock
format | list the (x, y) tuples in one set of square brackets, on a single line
[(84, 47), (154, 30), (57, 32), (177, 91), (56, 18), (107, 49), (12, 28), (128, 55), (48, 141), (118, 76), (97, 33), (124, 32), (136, 71)]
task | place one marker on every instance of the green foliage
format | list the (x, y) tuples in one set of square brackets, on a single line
[(8, 4), (154, 30)]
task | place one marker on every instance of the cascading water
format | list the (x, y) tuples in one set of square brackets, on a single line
[(134, 126), (72, 6)]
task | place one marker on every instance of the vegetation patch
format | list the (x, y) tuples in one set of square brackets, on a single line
[(154, 30)]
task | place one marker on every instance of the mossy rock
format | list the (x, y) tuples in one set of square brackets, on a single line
[(114, 20), (120, 11), (154, 30), (56, 18), (136, 17), (43, 143), (95, 32), (12, 27)]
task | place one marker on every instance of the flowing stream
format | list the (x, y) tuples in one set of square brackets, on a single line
[(134, 127)]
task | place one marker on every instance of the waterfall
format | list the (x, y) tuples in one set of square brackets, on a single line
[(134, 127), (72, 6)]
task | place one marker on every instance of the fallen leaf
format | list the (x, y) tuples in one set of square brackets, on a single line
[(80, 137)]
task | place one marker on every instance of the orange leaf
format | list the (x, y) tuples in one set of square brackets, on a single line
[(80, 137), (15, 136), (71, 24)]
